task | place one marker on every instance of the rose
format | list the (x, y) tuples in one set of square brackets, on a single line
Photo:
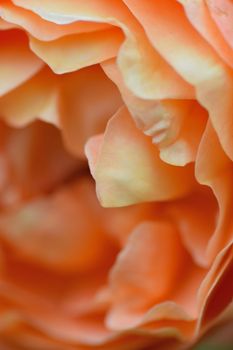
[(156, 73)]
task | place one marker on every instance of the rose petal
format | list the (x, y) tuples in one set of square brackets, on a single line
[(42, 29), (199, 16), (33, 166), (196, 217), (76, 51), (16, 71), (175, 125), (136, 284), (71, 243), (88, 99), (31, 100), (214, 168), (222, 13), (128, 168), (193, 59)]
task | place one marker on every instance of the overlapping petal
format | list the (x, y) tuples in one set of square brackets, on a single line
[(148, 86)]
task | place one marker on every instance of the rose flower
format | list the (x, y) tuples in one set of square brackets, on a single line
[(142, 93)]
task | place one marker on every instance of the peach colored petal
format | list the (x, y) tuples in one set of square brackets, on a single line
[(64, 12), (83, 334), (145, 79), (199, 16), (33, 166), (129, 169), (144, 272), (5, 25), (42, 29), (176, 311), (76, 51), (217, 282), (196, 217), (192, 58), (146, 73), (214, 168), (222, 13), (174, 125), (61, 220), (190, 120), (30, 100), (16, 71), (88, 99), (119, 222)]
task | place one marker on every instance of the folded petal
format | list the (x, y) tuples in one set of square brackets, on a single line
[(175, 125), (76, 51), (214, 168), (41, 29), (16, 71), (191, 56), (87, 100), (127, 167), (200, 17), (144, 272)]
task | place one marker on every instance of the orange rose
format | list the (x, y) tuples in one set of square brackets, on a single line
[(145, 90)]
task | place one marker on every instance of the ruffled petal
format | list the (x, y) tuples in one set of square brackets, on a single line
[(144, 272), (200, 17), (174, 125), (41, 29), (193, 59), (127, 167), (70, 53), (214, 168)]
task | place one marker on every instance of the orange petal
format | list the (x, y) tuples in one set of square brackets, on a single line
[(88, 99), (195, 216), (198, 14), (16, 71), (215, 293), (72, 243), (174, 125), (214, 168), (128, 168), (144, 71), (42, 29), (144, 272), (33, 166), (31, 100), (76, 51), (222, 13), (192, 58)]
